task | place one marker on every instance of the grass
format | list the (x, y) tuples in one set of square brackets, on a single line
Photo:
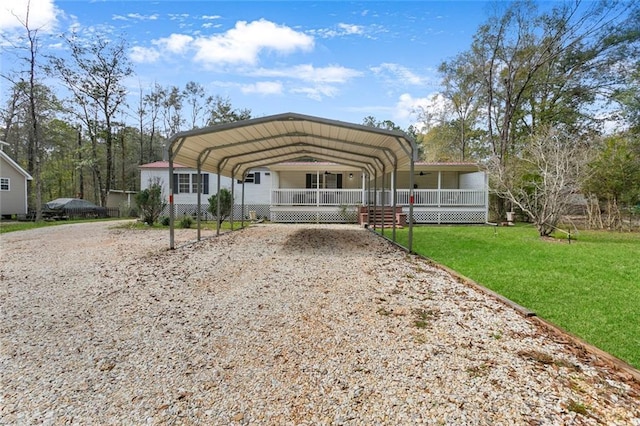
[(13, 226), (204, 225), (590, 287)]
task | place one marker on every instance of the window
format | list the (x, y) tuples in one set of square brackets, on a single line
[(187, 183), (205, 183), (184, 183), (327, 181), (4, 184), (252, 178)]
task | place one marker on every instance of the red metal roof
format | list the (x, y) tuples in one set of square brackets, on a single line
[(160, 165)]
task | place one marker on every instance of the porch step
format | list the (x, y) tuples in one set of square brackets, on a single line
[(376, 217)]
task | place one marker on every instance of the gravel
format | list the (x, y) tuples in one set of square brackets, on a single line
[(276, 325)]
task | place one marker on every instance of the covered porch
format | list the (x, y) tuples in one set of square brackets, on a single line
[(325, 192)]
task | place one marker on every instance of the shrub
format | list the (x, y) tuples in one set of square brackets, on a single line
[(186, 221), (151, 203), (165, 220), (226, 204)]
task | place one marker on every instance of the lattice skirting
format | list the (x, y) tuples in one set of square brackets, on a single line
[(446, 216), (312, 217), (328, 216), (262, 211)]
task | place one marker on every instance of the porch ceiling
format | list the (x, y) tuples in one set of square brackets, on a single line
[(232, 149)]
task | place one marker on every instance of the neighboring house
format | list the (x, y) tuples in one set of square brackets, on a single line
[(329, 192), (13, 187)]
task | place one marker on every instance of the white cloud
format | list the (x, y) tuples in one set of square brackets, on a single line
[(421, 112), (350, 28), (244, 43), (263, 88), (135, 17), (175, 43), (317, 92), (143, 54), (307, 72), (43, 14), (211, 16), (343, 29), (322, 82), (399, 73)]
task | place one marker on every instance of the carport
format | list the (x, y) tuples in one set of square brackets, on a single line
[(233, 149)]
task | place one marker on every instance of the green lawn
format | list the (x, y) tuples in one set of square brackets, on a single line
[(590, 287), (13, 226)]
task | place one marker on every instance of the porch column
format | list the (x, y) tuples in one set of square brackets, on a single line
[(439, 186), (392, 193)]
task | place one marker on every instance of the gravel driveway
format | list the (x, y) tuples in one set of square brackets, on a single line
[(275, 325)]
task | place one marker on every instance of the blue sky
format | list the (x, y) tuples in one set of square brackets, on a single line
[(334, 59)]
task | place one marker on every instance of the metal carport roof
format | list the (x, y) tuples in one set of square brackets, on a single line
[(234, 148)]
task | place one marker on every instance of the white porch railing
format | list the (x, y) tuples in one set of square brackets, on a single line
[(316, 197), (443, 197), (336, 197)]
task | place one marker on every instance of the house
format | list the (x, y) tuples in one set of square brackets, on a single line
[(305, 191), (13, 187)]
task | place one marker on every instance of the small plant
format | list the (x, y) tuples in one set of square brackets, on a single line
[(422, 317), (165, 221), (577, 407), (186, 222)]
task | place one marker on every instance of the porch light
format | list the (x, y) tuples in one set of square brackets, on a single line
[(350, 175)]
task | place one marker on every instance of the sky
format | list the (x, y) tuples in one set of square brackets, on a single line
[(334, 59)]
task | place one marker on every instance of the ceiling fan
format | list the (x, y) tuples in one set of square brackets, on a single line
[(423, 173)]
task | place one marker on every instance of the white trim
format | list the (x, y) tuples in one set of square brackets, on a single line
[(8, 183)]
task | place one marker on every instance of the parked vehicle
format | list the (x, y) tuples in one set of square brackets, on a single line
[(72, 208)]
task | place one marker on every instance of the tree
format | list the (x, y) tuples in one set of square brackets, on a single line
[(222, 112), (172, 110), (371, 121), (31, 88), (152, 105), (95, 76), (226, 204), (197, 99), (615, 177), (544, 181), (544, 69), (461, 90), (151, 202)]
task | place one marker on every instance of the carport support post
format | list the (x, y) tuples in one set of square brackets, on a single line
[(368, 182), (218, 206), (394, 185), (171, 191), (199, 197), (375, 196), (242, 212), (411, 195), (382, 199), (233, 203)]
